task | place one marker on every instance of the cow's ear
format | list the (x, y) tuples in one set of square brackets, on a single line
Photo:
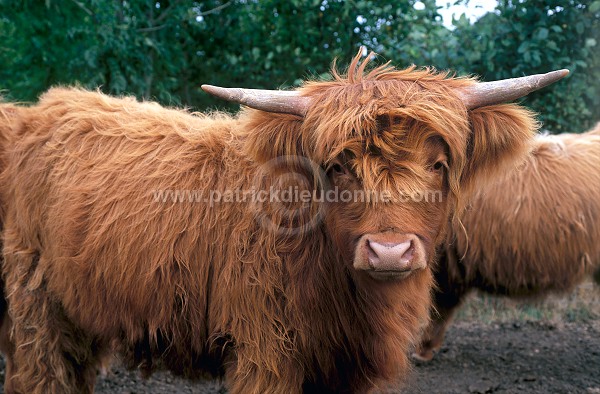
[(499, 140), (272, 135)]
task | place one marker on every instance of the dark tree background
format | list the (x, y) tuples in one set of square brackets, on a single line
[(164, 50)]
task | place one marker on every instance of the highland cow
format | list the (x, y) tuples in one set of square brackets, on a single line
[(534, 232), (276, 296)]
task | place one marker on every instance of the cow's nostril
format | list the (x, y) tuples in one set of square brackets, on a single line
[(372, 256), (407, 256)]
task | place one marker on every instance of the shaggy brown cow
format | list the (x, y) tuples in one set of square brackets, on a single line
[(536, 231), (264, 294)]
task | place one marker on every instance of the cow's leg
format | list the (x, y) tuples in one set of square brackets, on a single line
[(448, 295), (51, 355), (6, 345), (245, 376), (445, 305), (8, 349)]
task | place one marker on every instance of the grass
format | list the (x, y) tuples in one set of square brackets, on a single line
[(583, 304)]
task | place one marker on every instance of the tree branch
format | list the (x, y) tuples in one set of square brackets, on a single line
[(87, 10), (150, 29), (216, 9), (167, 11)]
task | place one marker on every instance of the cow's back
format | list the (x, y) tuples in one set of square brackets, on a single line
[(538, 228), (87, 169)]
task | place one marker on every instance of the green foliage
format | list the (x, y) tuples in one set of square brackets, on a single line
[(536, 36), (279, 43), (165, 50), (117, 46)]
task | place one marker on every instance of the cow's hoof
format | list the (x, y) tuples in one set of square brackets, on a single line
[(423, 355)]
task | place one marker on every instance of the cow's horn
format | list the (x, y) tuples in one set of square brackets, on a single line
[(496, 92), (281, 101)]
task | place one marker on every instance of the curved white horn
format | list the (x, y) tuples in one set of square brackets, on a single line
[(281, 101), (496, 92)]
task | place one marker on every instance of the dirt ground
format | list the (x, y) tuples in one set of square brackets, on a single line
[(518, 357), (530, 357)]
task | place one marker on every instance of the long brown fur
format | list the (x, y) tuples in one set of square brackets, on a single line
[(91, 259), (535, 231), (9, 121)]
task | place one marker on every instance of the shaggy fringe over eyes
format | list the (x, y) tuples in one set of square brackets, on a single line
[(416, 104), (351, 105), (347, 116)]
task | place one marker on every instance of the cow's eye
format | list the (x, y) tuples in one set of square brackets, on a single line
[(438, 166), (336, 169)]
